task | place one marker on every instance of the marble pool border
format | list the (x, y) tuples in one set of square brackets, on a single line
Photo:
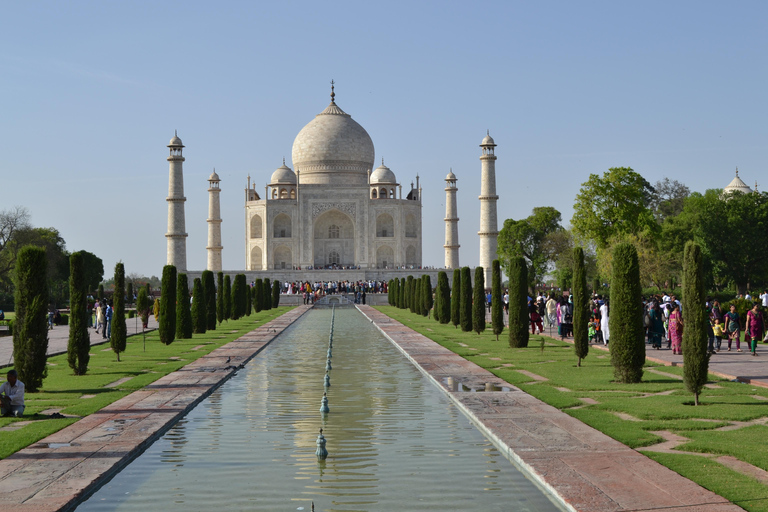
[(584, 469), (60, 471)]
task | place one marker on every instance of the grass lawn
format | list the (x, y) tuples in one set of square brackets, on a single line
[(629, 413), (86, 394)]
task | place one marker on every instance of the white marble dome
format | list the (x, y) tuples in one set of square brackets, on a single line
[(175, 142), (333, 149), (383, 175), (737, 185), (488, 141), (283, 175)]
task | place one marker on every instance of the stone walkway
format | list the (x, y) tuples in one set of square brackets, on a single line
[(588, 470), (57, 472), (59, 337)]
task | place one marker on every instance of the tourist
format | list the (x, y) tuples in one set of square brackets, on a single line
[(675, 329), (12, 396), (107, 331), (551, 308), (604, 322), (754, 327), (717, 330), (656, 327), (488, 298), (535, 320), (51, 314), (506, 302), (99, 317), (732, 328)]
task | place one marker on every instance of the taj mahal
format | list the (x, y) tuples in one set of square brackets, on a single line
[(333, 210)]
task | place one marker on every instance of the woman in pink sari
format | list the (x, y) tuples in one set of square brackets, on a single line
[(676, 329)]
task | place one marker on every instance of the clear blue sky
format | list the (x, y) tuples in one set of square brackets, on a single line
[(92, 92)]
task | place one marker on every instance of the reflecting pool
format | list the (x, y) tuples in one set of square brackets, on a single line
[(395, 441)]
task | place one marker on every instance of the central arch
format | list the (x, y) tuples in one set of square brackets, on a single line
[(333, 239)]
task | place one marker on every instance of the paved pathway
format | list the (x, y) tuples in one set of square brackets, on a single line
[(55, 473), (588, 470), (59, 337)]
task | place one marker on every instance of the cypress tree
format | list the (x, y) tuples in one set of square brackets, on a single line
[(497, 302), (427, 297), (580, 306), (444, 292), (456, 298), (401, 293), (199, 314), (465, 306), (626, 320), (142, 306), (167, 320), (275, 293), (695, 355), (30, 329), (258, 295), (227, 297), (220, 302), (184, 325), (408, 292), (209, 292), (238, 308), (248, 300), (518, 302), (266, 299), (79, 340), (416, 295), (438, 300), (478, 301), (119, 331), (100, 293)]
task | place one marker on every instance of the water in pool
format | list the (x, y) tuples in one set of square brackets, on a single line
[(395, 441)]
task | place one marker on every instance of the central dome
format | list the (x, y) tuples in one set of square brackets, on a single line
[(333, 149)]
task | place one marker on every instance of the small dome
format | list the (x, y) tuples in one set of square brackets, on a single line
[(450, 177), (737, 185), (383, 174), (214, 177), (175, 142), (488, 141), (283, 176)]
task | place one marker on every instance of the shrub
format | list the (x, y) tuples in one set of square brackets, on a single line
[(275, 293), (142, 306), (227, 297), (518, 302), (30, 329), (131, 313), (156, 309), (248, 295), (167, 320), (443, 299), (209, 291), (456, 298), (199, 314), (695, 355), (627, 346), (220, 307), (79, 344), (238, 297), (580, 306), (497, 301), (119, 332), (401, 293), (478, 301), (183, 313), (465, 305), (409, 293), (258, 295), (266, 299)]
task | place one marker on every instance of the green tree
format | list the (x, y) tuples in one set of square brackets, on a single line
[(518, 303), (401, 293), (266, 299), (258, 295), (248, 299), (626, 320), (408, 293), (390, 289), (497, 303), (30, 331), (142, 305), (167, 320), (443, 296), (478, 301), (209, 290), (695, 355), (184, 325), (79, 344), (668, 199), (580, 306), (199, 314), (465, 307), (12, 221), (275, 293), (616, 203), (238, 297), (416, 304), (528, 238), (100, 293), (456, 298), (426, 296), (220, 300), (119, 335), (94, 270), (227, 297)]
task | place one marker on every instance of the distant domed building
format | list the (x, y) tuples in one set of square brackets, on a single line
[(736, 185), (333, 209)]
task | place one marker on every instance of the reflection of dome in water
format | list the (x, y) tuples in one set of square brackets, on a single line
[(737, 185), (333, 148)]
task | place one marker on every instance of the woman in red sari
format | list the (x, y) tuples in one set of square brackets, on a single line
[(676, 329)]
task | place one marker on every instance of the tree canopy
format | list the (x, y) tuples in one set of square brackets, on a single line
[(528, 238)]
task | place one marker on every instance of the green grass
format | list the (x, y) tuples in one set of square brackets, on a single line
[(62, 390), (644, 402)]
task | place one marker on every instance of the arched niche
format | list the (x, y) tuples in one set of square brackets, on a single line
[(333, 239), (282, 257), (385, 257), (256, 258), (281, 226), (256, 226), (410, 256), (385, 225), (411, 228)]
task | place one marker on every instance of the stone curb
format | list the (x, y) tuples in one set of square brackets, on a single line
[(60, 471), (584, 469)]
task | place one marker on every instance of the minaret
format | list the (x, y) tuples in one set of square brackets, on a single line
[(451, 223), (214, 223), (488, 223), (176, 235)]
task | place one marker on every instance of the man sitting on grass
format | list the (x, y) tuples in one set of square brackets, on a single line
[(12, 396)]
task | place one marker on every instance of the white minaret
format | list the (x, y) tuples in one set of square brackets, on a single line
[(214, 223), (176, 235), (451, 223), (488, 223)]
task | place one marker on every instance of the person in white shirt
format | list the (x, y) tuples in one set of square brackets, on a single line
[(12, 396), (604, 322), (764, 298)]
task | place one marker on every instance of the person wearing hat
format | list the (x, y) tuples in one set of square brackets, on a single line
[(12, 396)]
